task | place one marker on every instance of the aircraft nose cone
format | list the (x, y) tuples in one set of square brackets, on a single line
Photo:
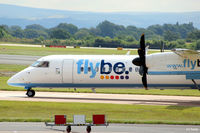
[(20, 78), (12, 80), (16, 79)]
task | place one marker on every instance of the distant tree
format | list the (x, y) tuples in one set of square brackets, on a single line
[(157, 29), (106, 34), (95, 31), (72, 29), (184, 29), (197, 45), (17, 31), (130, 38), (59, 34), (56, 42), (171, 36), (43, 34), (15, 27), (194, 35), (131, 28), (82, 34), (179, 29), (3, 32), (107, 42), (170, 27), (35, 27), (107, 28), (30, 33), (6, 28)]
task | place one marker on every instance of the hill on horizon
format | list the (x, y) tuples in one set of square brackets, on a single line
[(22, 16)]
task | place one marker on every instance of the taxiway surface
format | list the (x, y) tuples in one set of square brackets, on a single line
[(18, 59), (39, 127), (102, 98)]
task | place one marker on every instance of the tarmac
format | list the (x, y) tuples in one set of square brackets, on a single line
[(39, 127), (18, 59), (102, 98)]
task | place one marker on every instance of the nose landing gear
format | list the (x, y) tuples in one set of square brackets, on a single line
[(30, 92)]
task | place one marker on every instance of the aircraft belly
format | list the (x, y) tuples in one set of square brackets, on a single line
[(168, 79)]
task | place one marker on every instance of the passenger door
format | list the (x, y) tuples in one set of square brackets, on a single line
[(68, 71)]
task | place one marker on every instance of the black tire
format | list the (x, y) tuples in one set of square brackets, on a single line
[(88, 129), (68, 129), (30, 93)]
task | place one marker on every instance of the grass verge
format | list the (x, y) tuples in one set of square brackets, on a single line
[(116, 113), (11, 67), (43, 51)]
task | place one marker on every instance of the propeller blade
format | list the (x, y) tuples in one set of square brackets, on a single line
[(141, 61), (142, 54), (141, 51), (142, 42), (144, 80)]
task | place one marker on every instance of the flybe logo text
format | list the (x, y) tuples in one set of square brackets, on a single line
[(118, 67), (191, 64), (187, 63)]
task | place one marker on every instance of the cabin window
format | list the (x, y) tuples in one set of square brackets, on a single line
[(44, 64), (40, 64), (57, 70), (130, 69), (97, 69)]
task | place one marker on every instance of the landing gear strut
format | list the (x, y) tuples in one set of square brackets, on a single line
[(195, 84), (93, 90), (30, 92)]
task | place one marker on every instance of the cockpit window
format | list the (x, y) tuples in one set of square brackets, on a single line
[(40, 64)]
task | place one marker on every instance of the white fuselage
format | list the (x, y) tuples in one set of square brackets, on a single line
[(164, 70)]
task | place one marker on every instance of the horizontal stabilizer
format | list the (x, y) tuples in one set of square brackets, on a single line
[(185, 52)]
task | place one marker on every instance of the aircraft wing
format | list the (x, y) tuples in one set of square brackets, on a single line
[(186, 52)]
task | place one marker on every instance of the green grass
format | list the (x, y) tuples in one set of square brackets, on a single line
[(35, 51), (14, 50), (43, 111), (11, 67)]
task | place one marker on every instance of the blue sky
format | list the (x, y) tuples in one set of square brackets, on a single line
[(112, 5)]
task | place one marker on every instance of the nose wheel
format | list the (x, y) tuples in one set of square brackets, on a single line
[(30, 93)]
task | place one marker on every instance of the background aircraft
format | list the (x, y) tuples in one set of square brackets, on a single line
[(179, 68)]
